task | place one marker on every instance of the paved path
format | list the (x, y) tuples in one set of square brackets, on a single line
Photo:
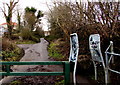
[(37, 52)]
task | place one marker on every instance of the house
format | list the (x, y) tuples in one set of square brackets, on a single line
[(2, 30), (47, 33), (3, 27)]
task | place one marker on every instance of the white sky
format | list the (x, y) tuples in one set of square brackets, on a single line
[(38, 4)]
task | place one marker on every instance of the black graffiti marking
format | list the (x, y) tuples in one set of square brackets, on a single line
[(97, 52), (74, 48)]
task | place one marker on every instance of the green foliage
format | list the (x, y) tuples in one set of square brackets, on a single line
[(30, 17), (25, 42), (40, 14), (66, 18), (54, 52), (8, 15), (50, 38), (15, 36), (35, 39), (60, 83), (10, 52), (12, 55), (32, 9), (55, 29), (16, 83), (38, 33), (26, 34)]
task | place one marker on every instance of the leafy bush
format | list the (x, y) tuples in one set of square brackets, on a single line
[(38, 33), (60, 83), (35, 39), (13, 55), (54, 52), (25, 42), (15, 36), (26, 34), (16, 83), (50, 38), (10, 52)]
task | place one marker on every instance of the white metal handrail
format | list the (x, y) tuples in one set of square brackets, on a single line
[(114, 70), (113, 53), (108, 60), (94, 44)]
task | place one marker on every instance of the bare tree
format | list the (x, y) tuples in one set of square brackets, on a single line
[(8, 15), (104, 15), (85, 19), (92, 17), (19, 15)]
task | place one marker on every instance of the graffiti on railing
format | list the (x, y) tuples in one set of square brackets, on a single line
[(74, 47), (94, 43), (74, 53)]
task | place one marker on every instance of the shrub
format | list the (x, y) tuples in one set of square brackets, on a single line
[(50, 38), (60, 83), (35, 39), (54, 52), (25, 42), (26, 34), (10, 52), (16, 83), (15, 36)]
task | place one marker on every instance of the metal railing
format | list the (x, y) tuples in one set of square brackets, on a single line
[(95, 49), (109, 59), (66, 69)]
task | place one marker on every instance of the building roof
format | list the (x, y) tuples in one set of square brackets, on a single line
[(13, 23)]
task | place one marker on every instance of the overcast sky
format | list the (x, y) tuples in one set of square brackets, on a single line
[(38, 4)]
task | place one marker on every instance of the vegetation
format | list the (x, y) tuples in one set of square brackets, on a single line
[(31, 23), (86, 19), (29, 32), (10, 52), (30, 19), (66, 18), (60, 83), (31, 29), (26, 34), (16, 83), (54, 50), (25, 42), (8, 15)]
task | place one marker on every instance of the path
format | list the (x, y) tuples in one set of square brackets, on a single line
[(33, 52), (36, 52)]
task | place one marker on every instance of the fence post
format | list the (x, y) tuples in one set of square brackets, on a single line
[(95, 69), (112, 51), (67, 73), (106, 71), (8, 68)]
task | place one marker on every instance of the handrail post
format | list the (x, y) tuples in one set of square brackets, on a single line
[(67, 73), (95, 69), (106, 68), (112, 51), (8, 68)]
